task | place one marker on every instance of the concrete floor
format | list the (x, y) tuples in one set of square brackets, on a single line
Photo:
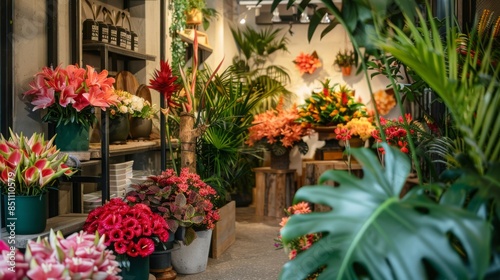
[(253, 255)]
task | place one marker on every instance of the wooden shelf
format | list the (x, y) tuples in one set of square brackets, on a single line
[(120, 52)]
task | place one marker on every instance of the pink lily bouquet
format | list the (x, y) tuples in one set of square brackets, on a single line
[(29, 166), (78, 256), (70, 94)]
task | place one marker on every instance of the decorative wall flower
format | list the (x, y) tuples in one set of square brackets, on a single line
[(307, 63), (384, 101)]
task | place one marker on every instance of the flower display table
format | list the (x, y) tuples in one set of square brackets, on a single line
[(274, 191), (312, 170)]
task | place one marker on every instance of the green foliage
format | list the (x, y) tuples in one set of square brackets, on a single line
[(467, 86), (255, 48), (222, 157), (177, 46), (370, 228)]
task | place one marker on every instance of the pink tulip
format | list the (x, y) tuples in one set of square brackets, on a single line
[(4, 148), (14, 158), (41, 164), (31, 175)]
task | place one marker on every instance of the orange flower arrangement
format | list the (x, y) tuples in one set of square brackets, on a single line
[(307, 63), (279, 129), (384, 101)]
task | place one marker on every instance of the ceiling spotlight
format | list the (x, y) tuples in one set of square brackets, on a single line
[(243, 20), (304, 18), (276, 16), (325, 19)]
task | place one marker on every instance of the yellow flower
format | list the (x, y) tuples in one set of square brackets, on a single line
[(343, 109), (334, 113), (312, 100)]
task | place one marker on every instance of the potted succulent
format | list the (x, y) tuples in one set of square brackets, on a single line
[(185, 202), (29, 167), (345, 59)]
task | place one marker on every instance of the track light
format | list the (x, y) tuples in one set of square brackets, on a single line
[(304, 18), (276, 16), (325, 19)]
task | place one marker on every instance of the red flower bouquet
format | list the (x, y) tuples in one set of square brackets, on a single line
[(182, 200), (130, 231), (70, 94), (395, 132)]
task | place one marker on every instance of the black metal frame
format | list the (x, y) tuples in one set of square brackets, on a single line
[(6, 67)]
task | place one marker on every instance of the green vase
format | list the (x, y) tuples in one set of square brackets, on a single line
[(72, 137), (25, 214), (139, 269)]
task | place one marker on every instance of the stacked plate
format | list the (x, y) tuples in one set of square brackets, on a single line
[(92, 201), (119, 178)]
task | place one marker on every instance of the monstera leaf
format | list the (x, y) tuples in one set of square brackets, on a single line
[(372, 232)]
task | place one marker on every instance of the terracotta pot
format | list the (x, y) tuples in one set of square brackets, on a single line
[(346, 70)]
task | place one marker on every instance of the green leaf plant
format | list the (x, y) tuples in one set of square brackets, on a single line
[(370, 228), (447, 230)]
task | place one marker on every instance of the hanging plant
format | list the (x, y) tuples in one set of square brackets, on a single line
[(178, 47)]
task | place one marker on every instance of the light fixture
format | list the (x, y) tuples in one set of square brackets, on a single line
[(276, 16), (242, 19), (304, 18), (325, 19)]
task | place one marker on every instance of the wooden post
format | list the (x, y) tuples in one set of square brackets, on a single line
[(274, 191), (187, 137)]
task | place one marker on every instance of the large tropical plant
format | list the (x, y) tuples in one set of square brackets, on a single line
[(372, 232), (255, 48), (223, 158), (460, 208)]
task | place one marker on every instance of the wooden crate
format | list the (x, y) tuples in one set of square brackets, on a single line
[(224, 233), (275, 189)]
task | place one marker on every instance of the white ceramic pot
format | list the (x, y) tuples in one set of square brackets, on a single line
[(193, 258)]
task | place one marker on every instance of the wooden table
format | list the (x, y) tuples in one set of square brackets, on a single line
[(312, 169), (274, 191)]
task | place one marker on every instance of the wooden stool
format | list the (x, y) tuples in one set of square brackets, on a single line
[(275, 189), (164, 274)]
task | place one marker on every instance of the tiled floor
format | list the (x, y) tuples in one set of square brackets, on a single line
[(252, 256)]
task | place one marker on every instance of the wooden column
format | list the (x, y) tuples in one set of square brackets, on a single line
[(274, 191)]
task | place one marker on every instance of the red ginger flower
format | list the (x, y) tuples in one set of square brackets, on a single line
[(164, 82)]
